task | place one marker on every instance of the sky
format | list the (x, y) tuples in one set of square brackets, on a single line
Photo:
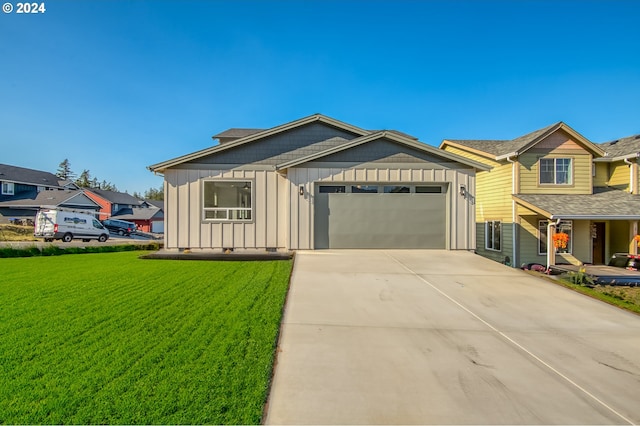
[(117, 85)]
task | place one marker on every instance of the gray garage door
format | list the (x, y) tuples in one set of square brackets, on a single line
[(378, 216)]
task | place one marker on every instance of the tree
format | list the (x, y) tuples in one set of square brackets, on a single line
[(64, 170), (154, 194), (84, 181)]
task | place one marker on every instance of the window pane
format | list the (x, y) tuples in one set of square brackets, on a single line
[(396, 190), (497, 231), (566, 226), (563, 170), (215, 214), (227, 194), (332, 189), (488, 238), (428, 190), (364, 189), (546, 170)]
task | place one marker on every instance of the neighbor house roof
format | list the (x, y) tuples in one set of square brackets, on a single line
[(139, 213), (236, 133), (621, 148), (69, 198), (115, 197), (29, 176), (501, 149), (604, 203)]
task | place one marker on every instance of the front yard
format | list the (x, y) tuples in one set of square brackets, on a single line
[(109, 338)]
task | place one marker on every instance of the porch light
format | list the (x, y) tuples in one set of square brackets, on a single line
[(463, 191), (301, 190)]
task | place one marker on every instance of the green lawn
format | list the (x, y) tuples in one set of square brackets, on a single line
[(110, 338)]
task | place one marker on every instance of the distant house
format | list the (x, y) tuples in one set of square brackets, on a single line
[(148, 218), (111, 202), (554, 181), (23, 191)]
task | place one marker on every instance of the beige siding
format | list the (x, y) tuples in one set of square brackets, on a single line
[(582, 172), (619, 175), (602, 174)]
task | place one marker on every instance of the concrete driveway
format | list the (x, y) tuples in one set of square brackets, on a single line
[(438, 337)]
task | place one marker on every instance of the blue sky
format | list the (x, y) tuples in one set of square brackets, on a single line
[(115, 86)]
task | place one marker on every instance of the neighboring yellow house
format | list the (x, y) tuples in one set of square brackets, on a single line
[(554, 180)]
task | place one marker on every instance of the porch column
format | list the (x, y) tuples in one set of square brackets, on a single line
[(633, 231), (551, 248)]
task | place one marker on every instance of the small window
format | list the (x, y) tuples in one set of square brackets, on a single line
[(7, 188), (566, 226), (364, 189), (493, 235), (396, 190), (555, 171), (332, 189), (542, 237), (428, 190), (227, 200)]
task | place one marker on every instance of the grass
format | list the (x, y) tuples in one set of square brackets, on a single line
[(623, 297), (55, 250), (110, 338)]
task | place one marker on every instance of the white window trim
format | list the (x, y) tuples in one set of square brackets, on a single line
[(570, 245), (251, 209), (10, 188), (554, 183), (486, 235)]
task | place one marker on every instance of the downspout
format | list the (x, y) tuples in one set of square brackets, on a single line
[(551, 254), (514, 191)]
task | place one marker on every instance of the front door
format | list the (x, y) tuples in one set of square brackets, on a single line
[(598, 243)]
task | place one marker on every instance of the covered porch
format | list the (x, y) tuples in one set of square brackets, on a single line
[(577, 229)]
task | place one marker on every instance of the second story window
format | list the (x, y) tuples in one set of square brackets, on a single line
[(7, 188), (555, 171)]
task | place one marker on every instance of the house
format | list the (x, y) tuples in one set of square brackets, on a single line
[(147, 217), (23, 191), (112, 202), (317, 182), (550, 181)]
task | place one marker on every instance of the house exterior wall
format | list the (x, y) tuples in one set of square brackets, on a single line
[(530, 172), (601, 178), (619, 177), (282, 218), (105, 206)]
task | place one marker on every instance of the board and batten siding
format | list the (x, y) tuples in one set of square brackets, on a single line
[(185, 227), (460, 211)]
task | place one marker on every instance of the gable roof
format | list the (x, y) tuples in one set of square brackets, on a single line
[(501, 149), (29, 176), (621, 148), (343, 145), (68, 198), (160, 167), (115, 197)]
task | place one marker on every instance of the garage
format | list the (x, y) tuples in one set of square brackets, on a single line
[(380, 216)]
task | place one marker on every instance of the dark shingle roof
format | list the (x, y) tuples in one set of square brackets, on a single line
[(306, 150), (69, 198), (622, 147), (237, 133), (115, 197), (140, 213), (604, 202), (503, 147), (28, 176)]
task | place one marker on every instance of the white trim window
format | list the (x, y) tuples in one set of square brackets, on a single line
[(8, 188), (227, 200), (493, 235), (566, 226), (556, 171)]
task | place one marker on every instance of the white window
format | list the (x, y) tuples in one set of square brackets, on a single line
[(493, 235), (7, 188), (566, 226), (555, 171), (542, 237), (227, 200)]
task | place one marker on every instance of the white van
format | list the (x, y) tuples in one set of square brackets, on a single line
[(65, 225)]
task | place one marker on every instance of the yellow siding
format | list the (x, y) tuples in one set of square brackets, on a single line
[(619, 175), (602, 174), (529, 173), (467, 154)]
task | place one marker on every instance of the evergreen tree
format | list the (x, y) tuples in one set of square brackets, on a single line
[(154, 194), (84, 181), (64, 170)]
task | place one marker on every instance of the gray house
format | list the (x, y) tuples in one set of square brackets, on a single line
[(319, 183)]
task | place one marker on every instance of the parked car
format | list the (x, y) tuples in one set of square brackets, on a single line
[(120, 227), (65, 225)]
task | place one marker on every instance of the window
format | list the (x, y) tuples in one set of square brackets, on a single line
[(565, 226), (555, 171), (332, 189), (396, 190), (542, 237), (364, 189), (428, 190), (227, 200), (7, 188), (493, 235)]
